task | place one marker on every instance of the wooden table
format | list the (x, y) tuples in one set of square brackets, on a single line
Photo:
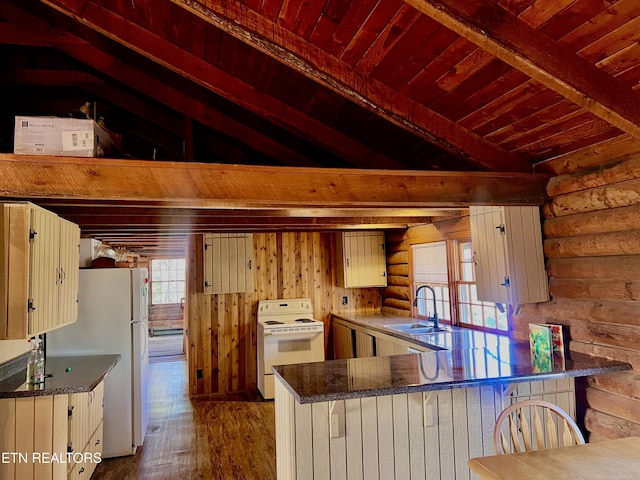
[(619, 459)]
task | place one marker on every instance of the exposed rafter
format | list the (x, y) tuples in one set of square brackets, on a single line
[(197, 70), (549, 62), (340, 77), (179, 101)]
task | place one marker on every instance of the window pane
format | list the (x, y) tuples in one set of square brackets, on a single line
[(167, 280), (463, 292), (467, 272), (465, 252)]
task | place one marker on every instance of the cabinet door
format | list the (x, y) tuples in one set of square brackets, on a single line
[(79, 421), (489, 255), (45, 271), (14, 270), (69, 272), (364, 262), (508, 256), (228, 263), (364, 345), (342, 341), (384, 347)]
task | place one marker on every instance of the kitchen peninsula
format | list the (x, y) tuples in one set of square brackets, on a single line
[(417, 415)]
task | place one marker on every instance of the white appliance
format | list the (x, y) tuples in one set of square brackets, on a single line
[(287, 333), (113, 309)]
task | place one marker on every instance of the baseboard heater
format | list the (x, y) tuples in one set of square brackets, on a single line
[(156, 332)]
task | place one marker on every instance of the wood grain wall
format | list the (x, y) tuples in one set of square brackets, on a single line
[(592, 245), (222, 328)]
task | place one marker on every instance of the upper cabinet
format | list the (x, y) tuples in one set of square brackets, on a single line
[(228, 262), (39, 263), (508, 255), (361, 259)]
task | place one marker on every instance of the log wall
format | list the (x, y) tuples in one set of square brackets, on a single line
[(162, 317), (222, 328), (592, 245), (397, 297)]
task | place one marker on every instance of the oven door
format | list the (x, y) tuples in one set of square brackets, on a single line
[(284, 348)]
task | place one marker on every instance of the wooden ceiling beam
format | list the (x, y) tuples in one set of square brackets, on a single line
[(270, 38), (182, 62), (104, 209), (199, 185), (178, 221), (545, 60)]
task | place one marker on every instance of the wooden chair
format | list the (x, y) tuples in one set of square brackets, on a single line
[(521, 438)]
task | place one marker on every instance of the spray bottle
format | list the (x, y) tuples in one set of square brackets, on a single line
[(35, 362)]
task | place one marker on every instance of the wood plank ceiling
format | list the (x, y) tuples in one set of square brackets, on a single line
[(512, 86)]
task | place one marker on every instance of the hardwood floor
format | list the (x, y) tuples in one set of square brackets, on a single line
[(223, 437), (165, 348)]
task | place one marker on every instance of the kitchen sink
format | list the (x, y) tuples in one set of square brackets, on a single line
[(417, 328)]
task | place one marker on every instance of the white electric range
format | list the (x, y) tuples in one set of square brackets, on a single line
[(287, 333)]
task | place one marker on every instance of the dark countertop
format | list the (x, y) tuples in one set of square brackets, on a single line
[(466, 358), (63, 375)]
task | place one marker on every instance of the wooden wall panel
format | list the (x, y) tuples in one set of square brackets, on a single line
[(591, 246), (222, 328)]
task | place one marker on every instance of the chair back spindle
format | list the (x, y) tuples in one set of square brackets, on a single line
[(548, 435)]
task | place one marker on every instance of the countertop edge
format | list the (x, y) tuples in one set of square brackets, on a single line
[(378, 392), (110, 362)]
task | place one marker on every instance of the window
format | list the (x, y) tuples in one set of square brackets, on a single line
[(167, 280), (471, 311), (456, 293), (430, 268)]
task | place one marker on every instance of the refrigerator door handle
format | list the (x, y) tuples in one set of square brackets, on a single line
[(144, 335)]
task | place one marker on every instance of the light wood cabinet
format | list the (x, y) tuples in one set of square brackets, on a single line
[(39, 262), (342, 341), (43, 429), (365, 344), (362, 260), (355, 341), (228, 263), (508, 254), (85, 431)]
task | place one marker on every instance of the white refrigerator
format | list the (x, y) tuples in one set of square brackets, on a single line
[(113, 310)]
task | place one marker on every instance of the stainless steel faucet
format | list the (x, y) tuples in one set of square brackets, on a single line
[(433, 319)]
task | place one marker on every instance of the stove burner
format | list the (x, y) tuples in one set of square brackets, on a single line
[(304, 320), (273, 322)]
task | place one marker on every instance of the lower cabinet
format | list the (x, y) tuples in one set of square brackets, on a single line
[(91, 453), (85, 431), (343, 346), (354, 341), (53, 437)]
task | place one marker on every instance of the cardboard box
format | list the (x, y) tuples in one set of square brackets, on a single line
[(71, 137)]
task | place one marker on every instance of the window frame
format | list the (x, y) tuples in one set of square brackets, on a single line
[(441, 302), (452, 240), (152, 282), (455, 264)]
